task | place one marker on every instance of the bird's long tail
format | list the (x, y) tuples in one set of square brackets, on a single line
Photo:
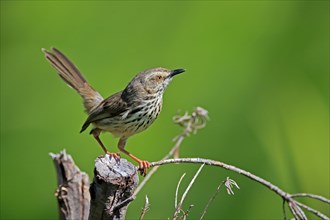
[(71, 75)]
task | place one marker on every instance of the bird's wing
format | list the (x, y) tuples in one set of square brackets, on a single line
[(108, 108)]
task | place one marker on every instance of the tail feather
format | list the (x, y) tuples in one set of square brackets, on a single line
[(71, 75)]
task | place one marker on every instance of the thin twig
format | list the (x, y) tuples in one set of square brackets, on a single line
[(178, 208), (297, 212), (315, 212), (186, 213), (321, 198), (283, 209), (211, 199), (177, 191), (229, 183), (145, 208), (123, 203)]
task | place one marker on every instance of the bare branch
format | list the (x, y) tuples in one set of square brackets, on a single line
[(296, 211), (123, 203), (178, 208), (321, 198), (258, 179), (293, 204), (315, 212)]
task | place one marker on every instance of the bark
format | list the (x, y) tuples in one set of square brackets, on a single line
[(72, 192)]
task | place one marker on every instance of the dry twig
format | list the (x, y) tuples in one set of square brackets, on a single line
[(321, 198), (178, 208), (211, 199), (145, 208), (186, 213), (177, 191), (228, 183)]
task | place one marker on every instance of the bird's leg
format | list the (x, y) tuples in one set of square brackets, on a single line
[(143, 164), (96, 134)]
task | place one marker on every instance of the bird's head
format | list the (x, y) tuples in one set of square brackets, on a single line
[(153, 81), (157, 79)]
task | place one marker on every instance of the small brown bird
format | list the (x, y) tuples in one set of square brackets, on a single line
[(124, 113)]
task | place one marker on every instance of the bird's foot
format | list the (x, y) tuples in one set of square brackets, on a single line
[(143, 166), (116, 156)]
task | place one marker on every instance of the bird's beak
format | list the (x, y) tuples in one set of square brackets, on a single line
[(176, 72)]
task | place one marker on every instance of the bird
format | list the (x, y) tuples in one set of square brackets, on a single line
[(124, 113)]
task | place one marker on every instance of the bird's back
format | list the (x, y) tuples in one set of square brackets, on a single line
[(122, 118)]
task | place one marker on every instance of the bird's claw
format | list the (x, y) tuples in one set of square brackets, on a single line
[(143, 166), (116, 156)]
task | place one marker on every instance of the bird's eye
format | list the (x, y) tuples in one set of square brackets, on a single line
[(159, 77)]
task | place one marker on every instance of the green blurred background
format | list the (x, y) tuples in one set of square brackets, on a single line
[(261, 68)]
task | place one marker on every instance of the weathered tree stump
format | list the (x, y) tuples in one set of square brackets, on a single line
[(106, 198), (113, 185)]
